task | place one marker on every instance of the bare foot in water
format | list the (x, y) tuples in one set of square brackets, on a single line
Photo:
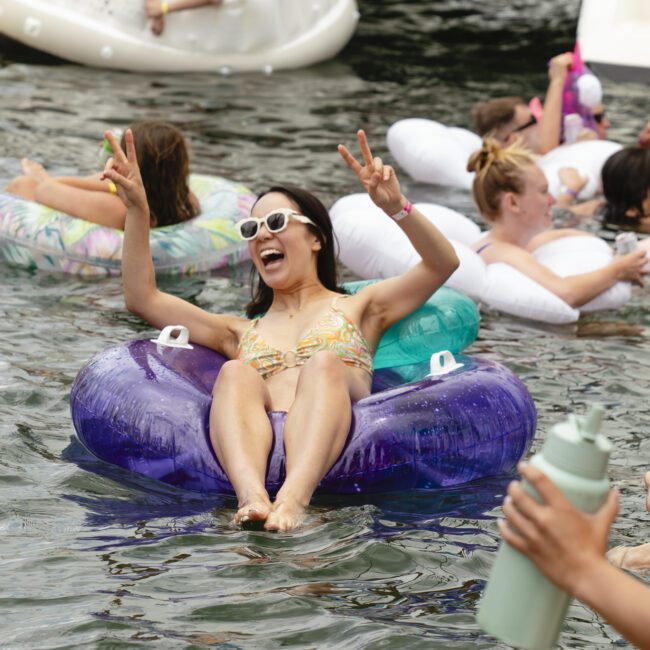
[(153, 10), (255, 508), (286, 514), (633, 558), (33, 169)]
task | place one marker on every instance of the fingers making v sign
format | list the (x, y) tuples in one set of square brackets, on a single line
[(378, 179), (124, 171)]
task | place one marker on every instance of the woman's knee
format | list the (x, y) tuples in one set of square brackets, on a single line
[(237, 376)]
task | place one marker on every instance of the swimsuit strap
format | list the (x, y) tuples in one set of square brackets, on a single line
[(334, 305), (480, 249), (248, 330), (245, 337)]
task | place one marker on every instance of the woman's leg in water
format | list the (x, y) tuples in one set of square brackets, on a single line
[(241, 435), (315, 432)]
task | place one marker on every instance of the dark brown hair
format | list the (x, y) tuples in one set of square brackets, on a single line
[(626, 181), (310, 206), (494, 114), (165, 168)]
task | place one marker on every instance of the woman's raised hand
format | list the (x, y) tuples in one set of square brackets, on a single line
[(124, 171), (378, 179)]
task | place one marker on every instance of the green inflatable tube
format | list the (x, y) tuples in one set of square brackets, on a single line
[(449, 320)]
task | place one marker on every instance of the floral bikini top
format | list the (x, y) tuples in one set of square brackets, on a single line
[(334, 331)]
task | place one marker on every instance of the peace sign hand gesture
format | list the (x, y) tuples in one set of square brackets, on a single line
[(378, 179), (124, 171)]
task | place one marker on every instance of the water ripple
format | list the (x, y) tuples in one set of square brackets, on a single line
[(95, 557)]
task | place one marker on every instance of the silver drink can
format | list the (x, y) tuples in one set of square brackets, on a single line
[(626, 242)]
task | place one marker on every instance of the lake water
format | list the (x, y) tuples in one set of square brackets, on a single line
[(97, 558)]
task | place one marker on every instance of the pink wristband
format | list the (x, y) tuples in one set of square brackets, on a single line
[(404, 212)]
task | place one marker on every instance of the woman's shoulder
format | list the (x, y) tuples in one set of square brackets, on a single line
[(482, 244), (237, 324), (195, 203), (354, 298), (552, 235), (492, 249)]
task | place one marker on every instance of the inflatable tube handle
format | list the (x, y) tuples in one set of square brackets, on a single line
[(181, 340), (443, 363)]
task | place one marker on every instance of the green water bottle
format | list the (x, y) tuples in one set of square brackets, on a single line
[(519, 605)]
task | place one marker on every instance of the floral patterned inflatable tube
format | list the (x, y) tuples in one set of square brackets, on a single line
[(34, 236)]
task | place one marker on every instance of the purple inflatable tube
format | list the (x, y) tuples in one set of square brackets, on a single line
[(145, 407)]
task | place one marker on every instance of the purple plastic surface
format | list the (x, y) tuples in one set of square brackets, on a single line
[(571, 95), (145, 408)]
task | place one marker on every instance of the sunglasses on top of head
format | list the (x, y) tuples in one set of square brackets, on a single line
[(275, 221), (531, 122)]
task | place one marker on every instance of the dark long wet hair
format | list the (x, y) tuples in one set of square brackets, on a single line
[(310, 206), (626, 181), (165, 169)]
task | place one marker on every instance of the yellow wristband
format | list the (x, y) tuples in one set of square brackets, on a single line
[(164, 8), (112, 188)]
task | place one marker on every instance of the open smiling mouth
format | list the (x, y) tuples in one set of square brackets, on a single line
[(271, 255)]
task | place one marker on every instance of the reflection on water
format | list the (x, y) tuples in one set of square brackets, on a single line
[(94, 557)]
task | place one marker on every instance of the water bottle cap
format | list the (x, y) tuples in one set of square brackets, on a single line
[(577, 446), (592, 421)]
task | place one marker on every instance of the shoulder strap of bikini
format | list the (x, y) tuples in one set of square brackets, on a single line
[(335, 300)]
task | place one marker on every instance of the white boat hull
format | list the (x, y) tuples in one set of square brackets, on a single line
[(614, 37), (239, 36)]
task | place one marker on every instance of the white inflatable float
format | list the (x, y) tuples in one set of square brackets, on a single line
[(238, 36), (373, 246), (614, 39), (431, 152)]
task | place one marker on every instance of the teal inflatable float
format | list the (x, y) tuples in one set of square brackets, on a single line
[(449, 320)]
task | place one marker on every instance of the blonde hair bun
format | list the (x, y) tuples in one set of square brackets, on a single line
[(485, 156), (498, 169)]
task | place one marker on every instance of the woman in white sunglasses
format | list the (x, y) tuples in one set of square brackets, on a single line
[(308, 349)]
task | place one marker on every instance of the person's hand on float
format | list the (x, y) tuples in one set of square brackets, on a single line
[(378, 179), (572, 179), (632, 266), (558, 67), (154, 8), (644, 244), (566, 544), (123, 170), (586, 135)]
